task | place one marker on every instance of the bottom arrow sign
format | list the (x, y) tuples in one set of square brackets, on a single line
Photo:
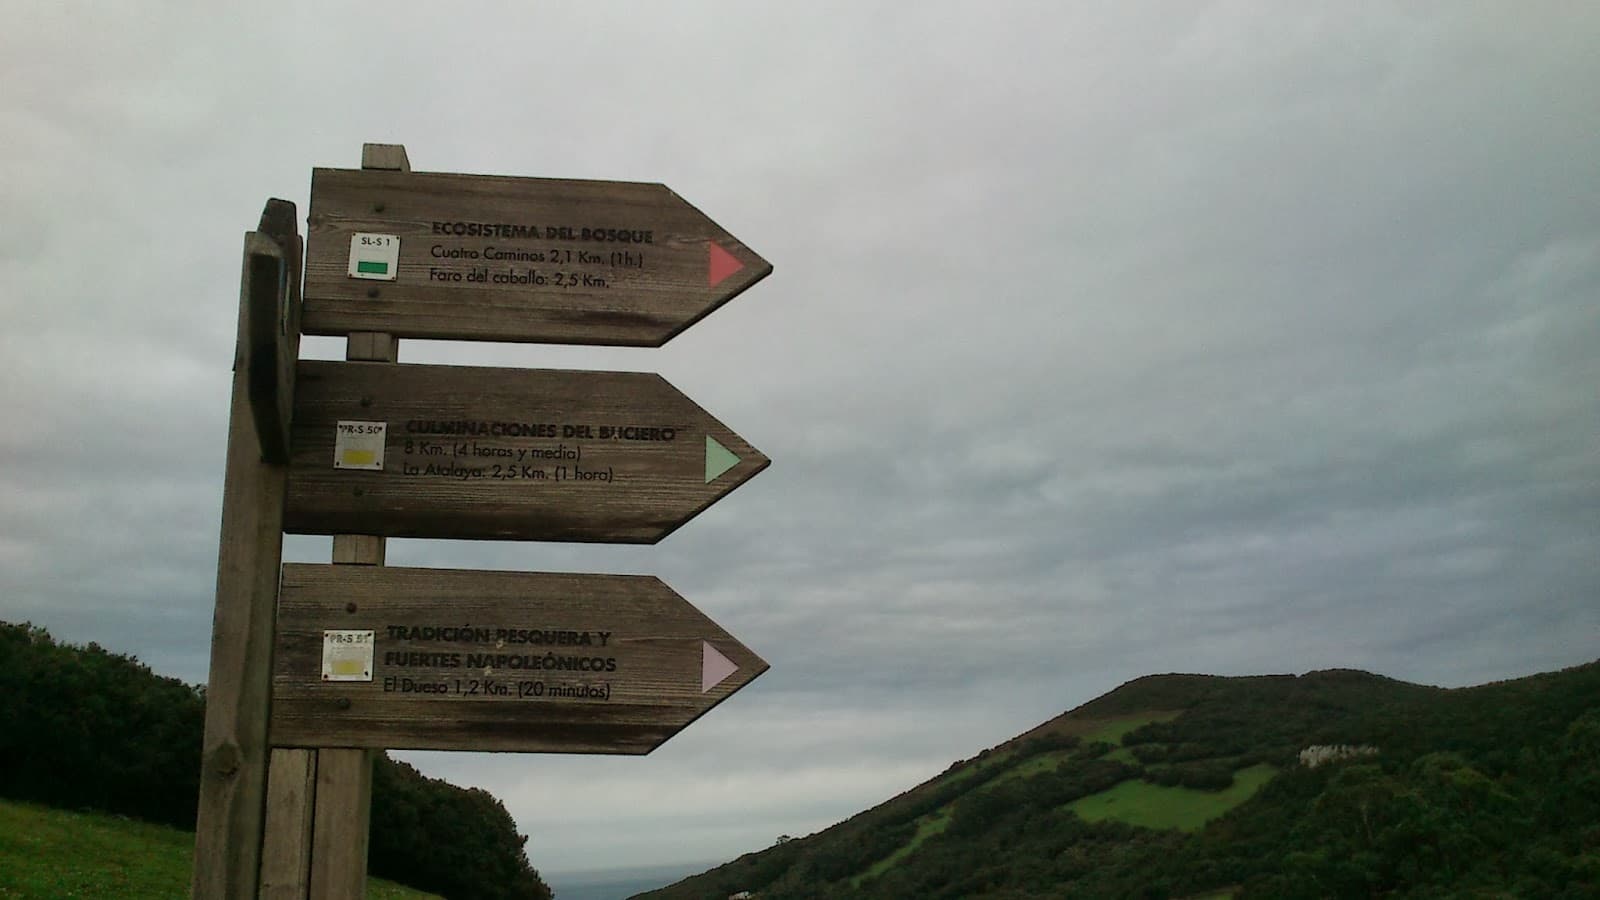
[(452, 659)]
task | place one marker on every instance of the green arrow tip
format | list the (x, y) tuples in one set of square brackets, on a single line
[(719, 459)]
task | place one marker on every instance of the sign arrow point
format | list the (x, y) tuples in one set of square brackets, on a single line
[(719, 459), (722, 264), (714, 667)]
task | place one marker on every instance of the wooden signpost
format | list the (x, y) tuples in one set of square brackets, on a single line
[(233, 762), (510, 454), (271, 340), (356, 657), (448, 659), (478, 257)]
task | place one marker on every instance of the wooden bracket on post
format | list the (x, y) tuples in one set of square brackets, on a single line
[(233, 763)]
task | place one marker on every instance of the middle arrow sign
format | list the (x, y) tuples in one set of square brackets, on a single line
[(503, 454)]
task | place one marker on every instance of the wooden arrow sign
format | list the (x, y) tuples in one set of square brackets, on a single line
[(449, 659), (477, 257), (508, 454)]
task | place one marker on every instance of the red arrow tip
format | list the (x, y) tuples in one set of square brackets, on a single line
[(722, 264)]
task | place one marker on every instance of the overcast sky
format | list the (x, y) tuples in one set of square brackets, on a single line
[(1103, 339)]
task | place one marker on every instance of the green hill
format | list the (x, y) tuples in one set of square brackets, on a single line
[(1194, 786), (50, 853)]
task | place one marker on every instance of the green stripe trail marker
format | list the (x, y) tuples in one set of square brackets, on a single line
[(374, 256)]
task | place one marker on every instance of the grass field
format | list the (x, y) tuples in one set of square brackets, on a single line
[(47, 854), (1033, 765), (976, 767), (1123, 755), (1112, 730), (1148, 805), (1107, 730), (927, 826)]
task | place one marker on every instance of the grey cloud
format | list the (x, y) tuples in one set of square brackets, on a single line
[(1102, 340)]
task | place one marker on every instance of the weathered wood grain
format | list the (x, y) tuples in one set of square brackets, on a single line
[(339, 836), (537, 491), (359, 549), (343, 802), (560, 260), (385, 156), (650, 662), (286, 844), (234, 750), (335, 833), (272, 289), (371, 345)]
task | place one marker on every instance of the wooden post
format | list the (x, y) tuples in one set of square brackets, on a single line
[(343, 816), (286, 847), (343, 804), (344, 777), (234, 752), (321, 800), (318, 821)]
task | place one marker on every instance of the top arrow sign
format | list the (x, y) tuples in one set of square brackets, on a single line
[(477, 257)]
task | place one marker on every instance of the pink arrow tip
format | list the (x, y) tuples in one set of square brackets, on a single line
[(714, 667), (722, 265)]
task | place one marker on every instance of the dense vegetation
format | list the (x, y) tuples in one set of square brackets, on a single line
[(84, 728), (453, 841), (1487, 791)]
